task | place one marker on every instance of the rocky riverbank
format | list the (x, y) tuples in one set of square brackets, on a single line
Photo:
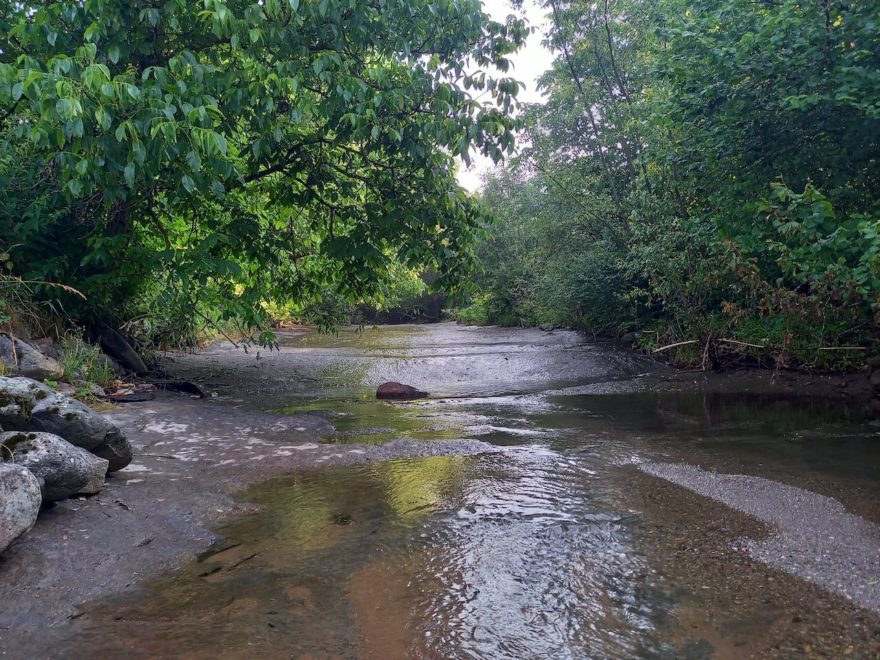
[(54, 442)]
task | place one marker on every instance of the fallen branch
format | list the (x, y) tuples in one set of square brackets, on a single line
[(241, 561), (736, 342), (741, 343), (681, 343)]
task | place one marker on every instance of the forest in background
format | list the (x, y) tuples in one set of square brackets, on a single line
[(702, 174)]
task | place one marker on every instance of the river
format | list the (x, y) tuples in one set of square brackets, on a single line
[(601, 506)]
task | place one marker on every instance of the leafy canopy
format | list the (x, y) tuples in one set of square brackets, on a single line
[(172, 151)]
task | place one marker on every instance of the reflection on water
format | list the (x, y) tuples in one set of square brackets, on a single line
[(502, 555), (534, 551)]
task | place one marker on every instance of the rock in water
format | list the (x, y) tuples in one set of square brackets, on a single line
[(398, 391), (62, 469), (20, 501), (21, 358)]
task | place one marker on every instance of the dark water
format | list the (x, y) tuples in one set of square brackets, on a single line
[(552, 546)]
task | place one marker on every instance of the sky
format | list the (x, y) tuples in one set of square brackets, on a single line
[(528, 64)]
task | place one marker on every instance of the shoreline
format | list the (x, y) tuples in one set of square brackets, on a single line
[(140, 526)]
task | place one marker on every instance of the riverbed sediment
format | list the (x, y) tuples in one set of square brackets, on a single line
[(310, 406)]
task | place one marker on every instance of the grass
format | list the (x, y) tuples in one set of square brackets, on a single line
[(83, 362)]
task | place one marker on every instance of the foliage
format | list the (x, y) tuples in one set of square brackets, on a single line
[(84, 362), (701, 171), (190, 161)]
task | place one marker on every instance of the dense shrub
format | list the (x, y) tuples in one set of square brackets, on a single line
[(700, 171)]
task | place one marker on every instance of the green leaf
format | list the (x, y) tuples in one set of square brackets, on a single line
[(195, 163), (220, 143), (75, 187), (128, 172)]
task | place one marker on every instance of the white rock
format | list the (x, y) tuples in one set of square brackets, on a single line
[(19, 502)]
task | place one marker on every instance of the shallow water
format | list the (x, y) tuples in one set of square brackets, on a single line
[(552, 546)]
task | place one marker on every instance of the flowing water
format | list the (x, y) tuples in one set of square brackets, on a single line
[(552, 545)]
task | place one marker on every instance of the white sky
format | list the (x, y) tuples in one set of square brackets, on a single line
[(528, 64)]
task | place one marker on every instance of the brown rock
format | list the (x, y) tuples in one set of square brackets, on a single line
[(398, 391)]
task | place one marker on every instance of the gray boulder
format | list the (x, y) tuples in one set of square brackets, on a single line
[(18, 397), (116, 449), (28, 405), (80, 425), (23, 359), (99, 467), (71, 419), (20, 501), (46, 346), (61, 468)]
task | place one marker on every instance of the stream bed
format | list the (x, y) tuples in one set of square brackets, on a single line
[(597, 520)]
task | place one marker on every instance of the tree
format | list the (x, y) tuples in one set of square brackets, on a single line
[(712, 170), (236, 151)]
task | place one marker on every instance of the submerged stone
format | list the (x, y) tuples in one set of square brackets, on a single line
[(394, 390)]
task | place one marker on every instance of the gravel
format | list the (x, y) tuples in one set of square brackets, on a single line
[(814, 537)]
